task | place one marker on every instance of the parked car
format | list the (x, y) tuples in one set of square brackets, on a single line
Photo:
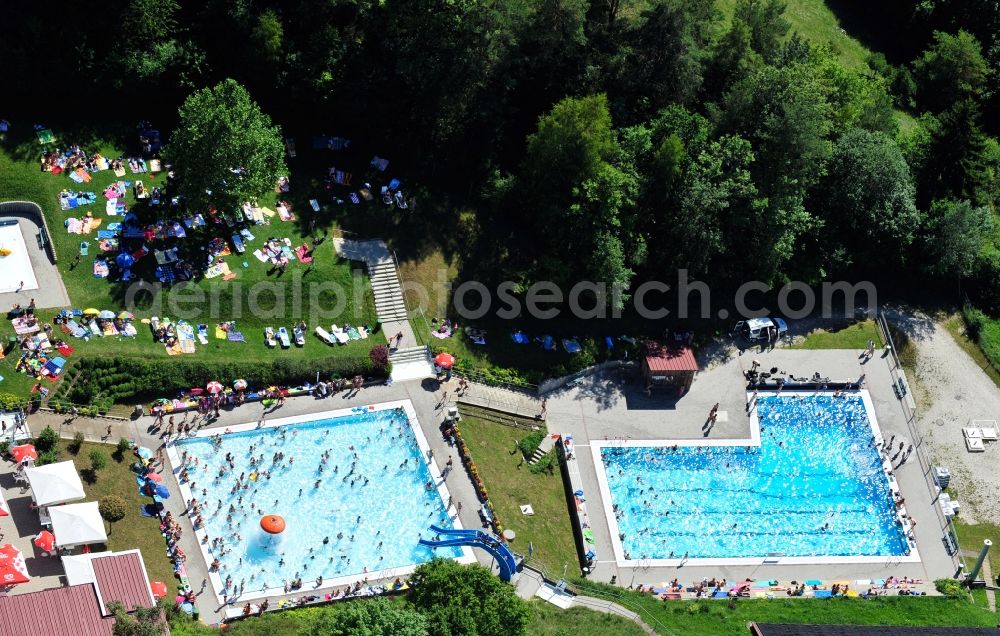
[(758, 329)]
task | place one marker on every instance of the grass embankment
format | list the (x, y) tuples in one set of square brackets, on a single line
[(134, 531), (853, 336), (336, 287), (717, 618), (981, 343), (510, 486)]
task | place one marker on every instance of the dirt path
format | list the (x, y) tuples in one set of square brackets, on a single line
[(952, 390)]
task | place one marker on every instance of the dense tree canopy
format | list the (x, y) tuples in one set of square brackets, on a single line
[(467, 600), (225, 150), (582, 139)]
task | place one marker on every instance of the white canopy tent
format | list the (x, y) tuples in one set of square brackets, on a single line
[(54, 483), (77, 524)]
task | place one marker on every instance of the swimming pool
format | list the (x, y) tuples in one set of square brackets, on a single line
[(357, 514), (814, 489)]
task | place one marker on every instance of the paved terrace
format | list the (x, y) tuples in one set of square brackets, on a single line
[(612, 406)]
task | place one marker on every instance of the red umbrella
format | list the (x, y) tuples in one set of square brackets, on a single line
[(445, 360), (214, 387), (24, 451), (4, 508), (12, 567), (154, 477), (46, 541), (159, 589)]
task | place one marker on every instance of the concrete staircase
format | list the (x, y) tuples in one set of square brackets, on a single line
[(411, 363), (543, 449), (387, 289)]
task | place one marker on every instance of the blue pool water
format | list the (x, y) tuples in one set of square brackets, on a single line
[(386, 510), (814, 487)]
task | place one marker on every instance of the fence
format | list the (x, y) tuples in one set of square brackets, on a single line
[(909, 406)]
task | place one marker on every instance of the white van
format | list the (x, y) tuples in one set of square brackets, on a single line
[(757, 329)]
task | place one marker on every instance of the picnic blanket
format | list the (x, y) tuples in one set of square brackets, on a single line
[(120, 171), (220, 269), (23, 328), (235, 336), (260, 255), (285, 213), (302, 252), (76, 330), (114, 207), (71, 200), (80, 175), (108, 244)]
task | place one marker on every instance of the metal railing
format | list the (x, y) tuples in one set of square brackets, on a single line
[(898, 376)]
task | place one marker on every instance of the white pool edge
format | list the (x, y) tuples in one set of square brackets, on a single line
[(328, 584), (754, 440)]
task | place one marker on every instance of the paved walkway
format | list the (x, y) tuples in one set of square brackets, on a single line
[(492, 397)]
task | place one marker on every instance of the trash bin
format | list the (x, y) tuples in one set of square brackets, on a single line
[(137, 411)]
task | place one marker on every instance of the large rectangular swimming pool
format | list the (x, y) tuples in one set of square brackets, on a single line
[(815, 487)]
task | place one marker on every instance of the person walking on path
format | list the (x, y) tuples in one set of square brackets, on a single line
[(545, 409), (399, 339), (107, 434)]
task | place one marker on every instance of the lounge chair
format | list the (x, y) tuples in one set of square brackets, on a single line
[(203, 334), (238, 244), (339, 334), (325, 336), (269, 337), (283, 336), (300, 337)]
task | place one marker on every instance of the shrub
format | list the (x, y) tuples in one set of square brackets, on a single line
[(530, 444), (950, 588), (4, 448), (975, 321), (47, 440), (98, 459), (50, 456), (10, 402), (122, 449), (547, 464), (74, 446), (380, 357)]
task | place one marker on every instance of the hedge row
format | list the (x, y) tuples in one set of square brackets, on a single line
[(130, 380)]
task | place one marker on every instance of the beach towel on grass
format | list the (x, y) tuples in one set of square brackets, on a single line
[(214, 271), (284, 213), (260, 256), (353, 334), (236, 336), (102, 163), (101, 269), (120, 172), (220, 333)]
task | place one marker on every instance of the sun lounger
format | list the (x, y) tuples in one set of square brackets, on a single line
[(570, 345), (400, 201), (339, 334), (283, 336), (989, 434), (325, 336), (290, 147), (314, 204), (353, 333), (203, 334), (972, 433), (975, 444), (269, 337), (549, 343), (300, 338)]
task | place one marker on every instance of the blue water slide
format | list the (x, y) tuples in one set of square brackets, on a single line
[(476, 539)]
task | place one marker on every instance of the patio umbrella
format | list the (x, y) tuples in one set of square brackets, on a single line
[(107, 314), (214, 387), (24, 451), (240, 385), (126, 315), (445, 360), (125, 260), (46, 541), (143, 452), (4, 508), (159, 589), (12, 567), (154, 477), (161, 491), (90, 311)]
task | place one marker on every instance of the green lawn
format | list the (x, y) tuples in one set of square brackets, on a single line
[(715, 618), (853, 336), (818, 24), (970, 537), (509, 487), (134, 531), (335, 290), (549, 620)]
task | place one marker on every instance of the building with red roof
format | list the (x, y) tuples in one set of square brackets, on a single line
[(670, 364)]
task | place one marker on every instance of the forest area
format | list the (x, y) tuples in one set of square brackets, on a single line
[(603, 140)]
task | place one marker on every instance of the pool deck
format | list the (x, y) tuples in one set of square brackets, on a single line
[(602, 411)]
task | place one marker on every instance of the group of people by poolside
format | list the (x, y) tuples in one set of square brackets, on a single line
[(721, 588)]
